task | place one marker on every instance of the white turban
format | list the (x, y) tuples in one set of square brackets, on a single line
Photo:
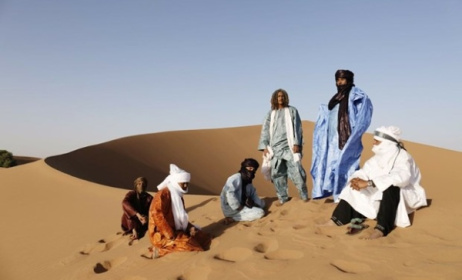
[(389, 133), (177, 175)]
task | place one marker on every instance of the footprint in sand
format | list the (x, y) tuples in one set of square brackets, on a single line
[(284, 255), (92, 248), (350, 267), (298, 226), (196, 273), (267, 246), (234, 254), (284, 212), (105, 266), (326, 231), (103, 244)]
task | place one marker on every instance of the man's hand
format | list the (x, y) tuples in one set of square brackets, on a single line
[(265, 152), (358, 184), (192, 231), (141, 218), (249, 202), (296, 149)]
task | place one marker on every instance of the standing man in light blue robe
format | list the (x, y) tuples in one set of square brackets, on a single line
[(281, 141), (337, 136)]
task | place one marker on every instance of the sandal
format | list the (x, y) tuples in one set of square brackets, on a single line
[(356, 226)]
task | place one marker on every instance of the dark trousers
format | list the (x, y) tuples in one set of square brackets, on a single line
[(344, 213)]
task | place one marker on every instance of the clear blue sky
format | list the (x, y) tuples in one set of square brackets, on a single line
[(78, 73)]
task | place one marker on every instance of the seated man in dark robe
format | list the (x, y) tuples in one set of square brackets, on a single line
[(136, 208)]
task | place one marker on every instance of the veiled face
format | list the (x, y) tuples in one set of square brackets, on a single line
[(250, 168), (341, 81), (183, 185)]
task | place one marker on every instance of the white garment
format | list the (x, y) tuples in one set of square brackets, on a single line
[(176, 176), (392, 131), (390, 166), (266, 166)]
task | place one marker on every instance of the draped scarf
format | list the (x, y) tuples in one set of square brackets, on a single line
[(343, 123), (176, 192)]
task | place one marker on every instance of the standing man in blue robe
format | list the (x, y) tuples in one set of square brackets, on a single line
[(281, 141), (337, 136)]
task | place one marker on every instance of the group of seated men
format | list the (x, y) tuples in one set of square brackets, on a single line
[(387, 189)]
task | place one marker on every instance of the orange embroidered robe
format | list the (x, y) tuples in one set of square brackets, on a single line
[(162, 230)]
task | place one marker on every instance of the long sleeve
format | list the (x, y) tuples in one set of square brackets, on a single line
[(399, 176), (298, 130), (127, 204), (232, 194), (253, 194), (265, 133), (162, 205)]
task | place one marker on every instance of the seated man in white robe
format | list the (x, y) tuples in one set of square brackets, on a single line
[(387, 188), (239, 199)]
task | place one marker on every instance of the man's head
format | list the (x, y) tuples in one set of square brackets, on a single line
[(140, 184), (384, 137), (344, 77), (248, 169), (279, 99), (180, 176)]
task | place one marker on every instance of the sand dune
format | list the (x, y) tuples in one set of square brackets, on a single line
[(58, 226)]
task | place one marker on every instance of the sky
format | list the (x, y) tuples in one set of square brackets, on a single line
[(80, 73)]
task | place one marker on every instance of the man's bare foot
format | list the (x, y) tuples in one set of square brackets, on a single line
[(152, 253), (134, 235), (376, 234), (228, 220)]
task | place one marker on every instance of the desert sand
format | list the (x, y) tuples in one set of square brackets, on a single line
[(61, 217)]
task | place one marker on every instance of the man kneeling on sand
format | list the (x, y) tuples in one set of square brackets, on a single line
[(239, 199), (169, 226), (387, 188)]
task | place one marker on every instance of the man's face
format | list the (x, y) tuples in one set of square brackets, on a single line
[(250, 168), (280, 98), (183, 185), (341, 81), (376, 142), (139, 187)]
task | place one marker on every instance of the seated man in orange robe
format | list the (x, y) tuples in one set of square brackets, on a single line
[(169, 228)]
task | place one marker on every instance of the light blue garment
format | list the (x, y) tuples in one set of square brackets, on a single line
[(330, 166), (282, 163), (231, 200), (283, 166), (279, 141)]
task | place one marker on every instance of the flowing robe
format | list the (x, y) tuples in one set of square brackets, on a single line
[(163, 234), (131, 205), (231, 200), (404, 174), (330, 166)]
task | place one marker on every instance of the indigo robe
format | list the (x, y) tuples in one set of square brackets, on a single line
[(330, 166)]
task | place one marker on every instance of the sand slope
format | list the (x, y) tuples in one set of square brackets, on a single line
[(57, 226)]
